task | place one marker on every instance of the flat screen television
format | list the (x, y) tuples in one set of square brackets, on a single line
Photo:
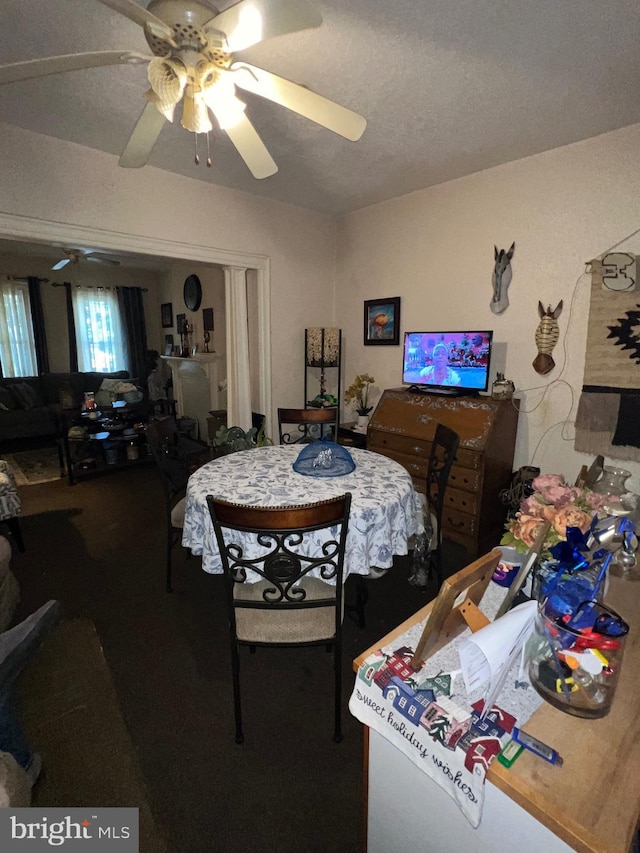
[(447, 362)]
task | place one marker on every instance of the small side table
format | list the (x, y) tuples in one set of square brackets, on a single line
[(350, 437)]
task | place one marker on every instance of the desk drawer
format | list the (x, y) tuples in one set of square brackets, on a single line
[(382, 442), (466, 502), (459, 523), (464, 479)]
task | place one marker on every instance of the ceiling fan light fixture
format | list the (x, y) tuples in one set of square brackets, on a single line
[(249, 30), (195, 116), (228, 111)]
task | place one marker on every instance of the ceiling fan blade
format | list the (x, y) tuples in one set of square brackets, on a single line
[(70, 62), (97, 258), (252, 21), (61, 264), (139, 15), (252, 149), (144, 136), (303, 101)]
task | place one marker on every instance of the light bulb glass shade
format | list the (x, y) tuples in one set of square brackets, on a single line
[(248, 31), (322, 347), (228, 111), (195, 116)]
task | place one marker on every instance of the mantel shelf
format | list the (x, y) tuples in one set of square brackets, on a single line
[(201, 356)]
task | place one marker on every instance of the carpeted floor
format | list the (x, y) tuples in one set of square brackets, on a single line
[(33, 467), (99, 547)]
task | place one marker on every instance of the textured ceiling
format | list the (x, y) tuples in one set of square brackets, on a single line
[(448, 87)]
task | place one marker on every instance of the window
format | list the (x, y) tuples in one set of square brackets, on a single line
[(101, 345), (17, 345)]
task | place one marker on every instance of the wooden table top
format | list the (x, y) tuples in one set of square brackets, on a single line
[(592, 802)]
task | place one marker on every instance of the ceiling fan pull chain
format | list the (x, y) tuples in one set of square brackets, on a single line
[(208, 152), (195, 142)]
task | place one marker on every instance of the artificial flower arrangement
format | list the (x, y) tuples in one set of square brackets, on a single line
[(358, 393), (555, 501)]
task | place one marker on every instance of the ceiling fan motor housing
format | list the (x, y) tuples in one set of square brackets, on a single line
[(186, 21)]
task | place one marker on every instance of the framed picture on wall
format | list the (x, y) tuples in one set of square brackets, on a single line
[(166, 312), (181, 320), (382, 321)]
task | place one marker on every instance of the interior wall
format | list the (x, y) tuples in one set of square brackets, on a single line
[(58, 181), (435, 249), (54, 300)]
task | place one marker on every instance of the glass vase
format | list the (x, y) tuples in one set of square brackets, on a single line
[(612, 481)]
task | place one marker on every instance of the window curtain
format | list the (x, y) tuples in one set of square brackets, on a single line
[(71, 326), (17, 346), (99, 332), (135, 331), (37, 319)]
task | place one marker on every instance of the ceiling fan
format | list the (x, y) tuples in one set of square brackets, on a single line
[(74, 256), (193, 47)]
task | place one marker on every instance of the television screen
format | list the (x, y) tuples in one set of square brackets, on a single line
[(449, 362)]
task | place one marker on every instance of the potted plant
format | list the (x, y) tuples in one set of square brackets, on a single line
[(358, 394)]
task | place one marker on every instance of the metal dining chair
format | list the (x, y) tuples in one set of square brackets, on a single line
[(301, 426), (443, 450), (176, 458), (286, 605)]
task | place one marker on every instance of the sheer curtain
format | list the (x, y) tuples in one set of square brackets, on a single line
[(17, 344), (98, 330)]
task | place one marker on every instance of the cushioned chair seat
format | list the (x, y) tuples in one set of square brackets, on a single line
[(10, 504), (177, 514), (285, 626)]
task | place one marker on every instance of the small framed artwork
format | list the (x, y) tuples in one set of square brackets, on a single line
[(168, 344), (181, 320), (382, 321), (166, 312), (207, 319)]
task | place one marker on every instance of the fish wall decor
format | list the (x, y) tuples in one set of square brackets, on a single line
[(547, 335)]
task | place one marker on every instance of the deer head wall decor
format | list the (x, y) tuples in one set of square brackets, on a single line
[(547, 335), (501, 278)]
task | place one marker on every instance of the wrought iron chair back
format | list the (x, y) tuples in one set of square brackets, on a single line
[(443, 450), (301, 426), (176, 458), (290, 601)]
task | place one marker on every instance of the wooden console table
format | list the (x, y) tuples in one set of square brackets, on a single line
[(403, 426)]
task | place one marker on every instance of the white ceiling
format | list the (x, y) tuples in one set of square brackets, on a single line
[(448, 87)]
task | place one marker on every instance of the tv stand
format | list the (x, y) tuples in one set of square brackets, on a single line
[(441, 392)]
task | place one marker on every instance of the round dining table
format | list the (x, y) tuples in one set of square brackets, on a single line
[(386, 510)]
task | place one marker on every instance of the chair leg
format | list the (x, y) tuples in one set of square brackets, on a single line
[(237, 708), (169, 586), (362, 597), (337, 675), (437, 563), (14, 527)]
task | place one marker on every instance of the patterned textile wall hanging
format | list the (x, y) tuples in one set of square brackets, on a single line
[(608, 417)]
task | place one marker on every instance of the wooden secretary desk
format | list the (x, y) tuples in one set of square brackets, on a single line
[(402, 427)]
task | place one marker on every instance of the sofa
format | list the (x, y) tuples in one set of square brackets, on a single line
[(29, 405), (15, 790)]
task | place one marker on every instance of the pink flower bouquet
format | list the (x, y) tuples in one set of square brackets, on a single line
[(555, 501)]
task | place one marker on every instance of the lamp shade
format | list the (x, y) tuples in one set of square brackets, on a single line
[(322, 348)]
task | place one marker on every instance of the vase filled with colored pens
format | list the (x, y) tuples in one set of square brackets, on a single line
[(575, 651)]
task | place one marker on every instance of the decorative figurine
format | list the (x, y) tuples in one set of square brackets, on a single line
[(547, 335), (501, 278)]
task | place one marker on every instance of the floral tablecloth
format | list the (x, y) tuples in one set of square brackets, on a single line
[(385, 508)]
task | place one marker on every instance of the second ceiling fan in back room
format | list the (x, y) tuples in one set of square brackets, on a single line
[(193, 62), (74, 256)]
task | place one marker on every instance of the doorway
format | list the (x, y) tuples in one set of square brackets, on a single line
[(257, 267)]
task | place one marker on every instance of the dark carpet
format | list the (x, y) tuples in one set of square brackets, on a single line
[(98, 547)]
